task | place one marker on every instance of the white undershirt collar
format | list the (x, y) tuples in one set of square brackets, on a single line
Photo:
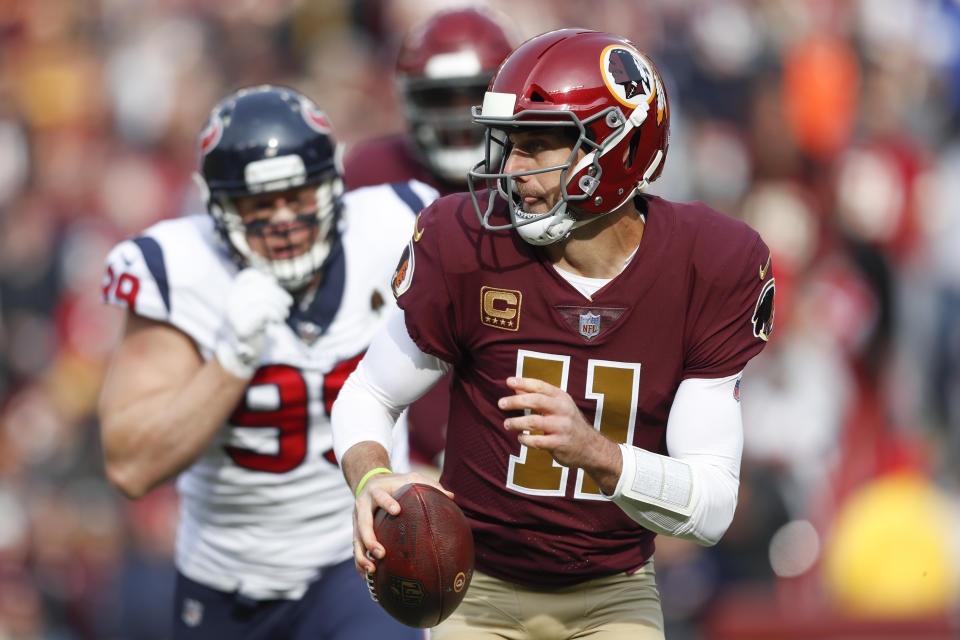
[(589, 286)]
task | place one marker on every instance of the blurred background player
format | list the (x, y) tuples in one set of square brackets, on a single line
[(443, 68), (241, 327)]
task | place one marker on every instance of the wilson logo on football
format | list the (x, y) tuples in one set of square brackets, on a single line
[(407, 590), (500, 308)]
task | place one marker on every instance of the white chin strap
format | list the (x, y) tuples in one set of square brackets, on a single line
[(553, 228), (546, 230)]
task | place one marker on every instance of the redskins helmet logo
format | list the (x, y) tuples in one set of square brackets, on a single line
[(211, 134), (315, 119), (631, 79)]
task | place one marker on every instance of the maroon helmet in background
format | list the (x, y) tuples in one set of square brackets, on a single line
[(443, 68), (611, 97)]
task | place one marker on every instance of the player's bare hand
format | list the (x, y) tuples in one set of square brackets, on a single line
[(555, 424), (378, 493)]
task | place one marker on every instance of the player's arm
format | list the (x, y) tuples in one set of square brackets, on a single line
[(160, 405), (692, 492), (393, 373)]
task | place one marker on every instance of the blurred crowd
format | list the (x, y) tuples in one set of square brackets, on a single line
[(831, 126)]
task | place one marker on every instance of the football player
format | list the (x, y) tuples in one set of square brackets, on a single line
[(598, 335), (442, 70), (241, 327)]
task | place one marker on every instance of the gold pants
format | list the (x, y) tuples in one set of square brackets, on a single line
[(619, 607)]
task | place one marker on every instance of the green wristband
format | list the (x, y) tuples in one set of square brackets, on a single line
[(368, 475)]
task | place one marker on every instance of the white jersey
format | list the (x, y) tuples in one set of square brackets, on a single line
[(266, 507)]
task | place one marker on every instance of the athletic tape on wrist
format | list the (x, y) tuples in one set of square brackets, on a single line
[(657, 480)]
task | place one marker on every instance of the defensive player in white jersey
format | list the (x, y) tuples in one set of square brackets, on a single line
[(241, 327)]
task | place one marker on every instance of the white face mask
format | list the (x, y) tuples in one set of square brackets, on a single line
[(298, 271)]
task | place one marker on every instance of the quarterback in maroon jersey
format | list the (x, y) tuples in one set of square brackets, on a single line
[(597, 336)]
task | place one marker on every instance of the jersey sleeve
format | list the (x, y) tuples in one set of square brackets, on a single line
[(171, 273), (423, 291), (136, 279), (731, 311)]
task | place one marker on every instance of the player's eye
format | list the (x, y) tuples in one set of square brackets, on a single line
[(258, 225)]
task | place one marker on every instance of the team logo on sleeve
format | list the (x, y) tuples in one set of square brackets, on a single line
[(764, 311), (403, 276), (500, 308)]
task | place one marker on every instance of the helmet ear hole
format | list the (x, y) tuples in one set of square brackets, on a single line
[(630, 156)]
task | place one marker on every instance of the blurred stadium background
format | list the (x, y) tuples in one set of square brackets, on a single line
[(832, 126)]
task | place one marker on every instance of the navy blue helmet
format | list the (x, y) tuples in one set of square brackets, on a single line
[(269, 139)]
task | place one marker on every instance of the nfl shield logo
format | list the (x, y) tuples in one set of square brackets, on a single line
[(192, 614), (589, 325)]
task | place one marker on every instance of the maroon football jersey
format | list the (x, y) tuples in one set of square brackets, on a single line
[(695, 301), (388, 160)]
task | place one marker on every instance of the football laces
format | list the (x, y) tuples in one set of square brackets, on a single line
[(371, 587), (371, 583)]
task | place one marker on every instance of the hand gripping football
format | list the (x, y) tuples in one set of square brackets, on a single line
[(429, 561)]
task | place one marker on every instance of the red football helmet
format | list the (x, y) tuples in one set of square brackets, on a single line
[(443, 68), (601, 86)]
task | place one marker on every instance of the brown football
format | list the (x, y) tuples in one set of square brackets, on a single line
[(429, 561)]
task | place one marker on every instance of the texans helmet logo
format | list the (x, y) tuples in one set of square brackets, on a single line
[(211, 134), (316, 119)]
